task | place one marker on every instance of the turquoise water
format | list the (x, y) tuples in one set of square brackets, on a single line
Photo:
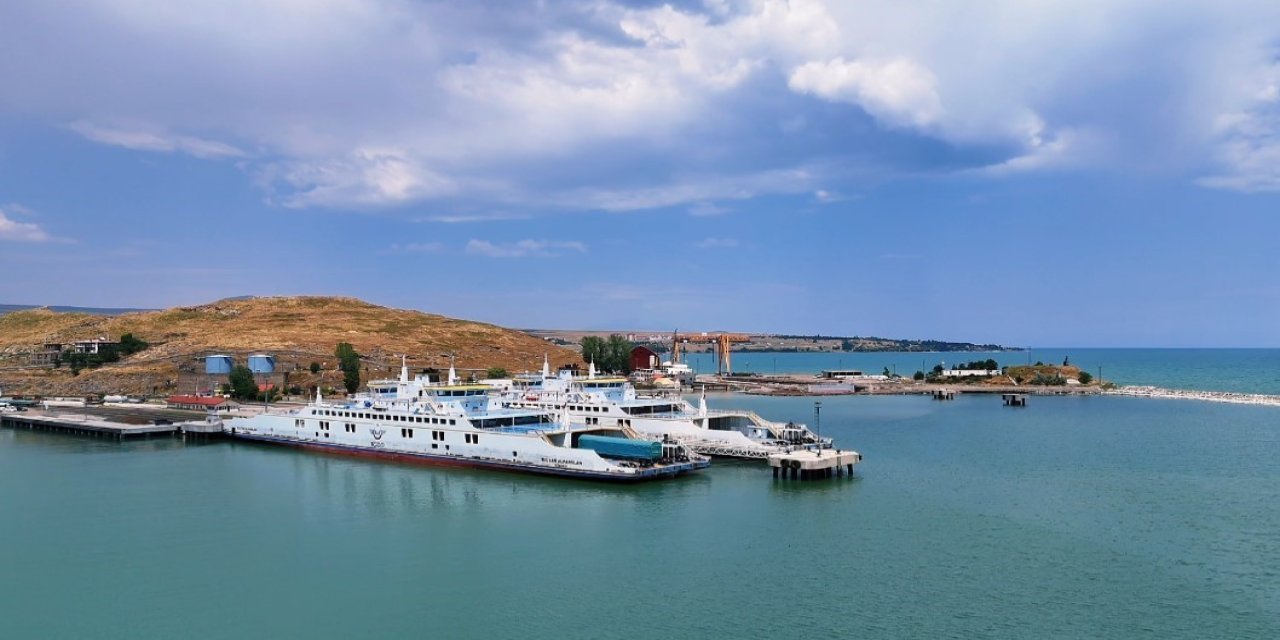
[(1098, 517), (1240, 370)]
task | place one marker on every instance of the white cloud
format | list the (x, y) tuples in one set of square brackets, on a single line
[(716, 243), (142, 139), (334, 103), (898, 92), (1248, 153), (523, 248), (14, 231), (368, 177)]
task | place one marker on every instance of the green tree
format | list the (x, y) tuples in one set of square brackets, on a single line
[(1085, 377), (130, 345), (918, 376), (243, 386), (618, 354), (495, 373), (594, 349), (315, 367), (349, 363)]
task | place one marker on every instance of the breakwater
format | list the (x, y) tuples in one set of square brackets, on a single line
[(1208, 396)]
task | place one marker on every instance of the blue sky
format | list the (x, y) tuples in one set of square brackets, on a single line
[(1070, 173)]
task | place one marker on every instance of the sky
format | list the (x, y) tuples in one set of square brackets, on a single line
[(1022, 172)]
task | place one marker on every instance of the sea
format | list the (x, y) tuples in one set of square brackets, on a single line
[(1233, 370), (1074, 517)]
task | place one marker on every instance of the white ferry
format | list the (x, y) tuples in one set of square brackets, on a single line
[(594, 401), (462, 425)]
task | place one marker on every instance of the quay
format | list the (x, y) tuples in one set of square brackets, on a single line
[(813, 464), (100, 426)]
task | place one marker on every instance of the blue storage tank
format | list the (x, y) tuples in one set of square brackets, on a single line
[(217, 365), (262, 363), (612, 447)]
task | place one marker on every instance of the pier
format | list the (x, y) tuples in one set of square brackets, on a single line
[(96, 425), (1014, 399), (944, 394), (813, 464)]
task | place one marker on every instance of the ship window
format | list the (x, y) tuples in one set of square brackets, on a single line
[(411, 433), (452, 422), (299, 423), (435, 446), (514, 454)]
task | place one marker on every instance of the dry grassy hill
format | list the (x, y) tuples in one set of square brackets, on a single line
[(298, 330)]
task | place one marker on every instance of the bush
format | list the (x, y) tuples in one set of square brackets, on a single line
[(315, 367), (1085, 377), (495, 373)]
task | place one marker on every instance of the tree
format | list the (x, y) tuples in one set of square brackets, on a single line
[(937, 369), (918, 376), (495, 373), (243, 386), (618, 353), (315, 367), (130, 345), (1085, 377), (349, 363), (594, 349)]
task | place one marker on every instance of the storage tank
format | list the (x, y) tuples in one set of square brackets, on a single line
[(260, 363), (611, 447), (217, 365)]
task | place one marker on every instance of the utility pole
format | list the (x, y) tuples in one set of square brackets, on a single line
[(817, 423)]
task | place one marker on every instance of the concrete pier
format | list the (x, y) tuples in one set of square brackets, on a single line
[(813, 464), (1014, 400), (944, 394), (85, 425)]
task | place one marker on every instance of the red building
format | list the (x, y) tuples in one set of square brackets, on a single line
[(643, 357)]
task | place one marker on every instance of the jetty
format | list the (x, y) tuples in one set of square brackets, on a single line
[(813, 464), (96, 425)]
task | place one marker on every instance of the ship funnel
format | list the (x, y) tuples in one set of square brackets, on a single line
[(453, 374), (404, 370), (546, 366), (319, 398), (702, 403), (591, 370)]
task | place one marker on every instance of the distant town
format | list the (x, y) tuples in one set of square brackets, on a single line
[(705, 341)]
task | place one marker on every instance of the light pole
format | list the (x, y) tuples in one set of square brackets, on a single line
[(817, 423)]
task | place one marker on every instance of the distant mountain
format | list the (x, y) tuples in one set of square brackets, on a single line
[(97, 311)]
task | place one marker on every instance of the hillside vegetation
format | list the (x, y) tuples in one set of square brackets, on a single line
[(298, 330)]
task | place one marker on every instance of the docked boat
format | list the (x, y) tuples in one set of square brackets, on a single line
[(463, 425), (595, 401)]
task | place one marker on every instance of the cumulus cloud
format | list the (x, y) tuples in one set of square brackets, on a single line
[(523, 248), (898, 92), (14, 231), (617, 106)]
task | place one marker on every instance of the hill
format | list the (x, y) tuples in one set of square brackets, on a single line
[(298, 330)]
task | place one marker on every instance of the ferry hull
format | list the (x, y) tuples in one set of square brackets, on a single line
[(644, 475)]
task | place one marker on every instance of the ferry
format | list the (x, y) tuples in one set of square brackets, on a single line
[(463, 425), (596, 401)]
